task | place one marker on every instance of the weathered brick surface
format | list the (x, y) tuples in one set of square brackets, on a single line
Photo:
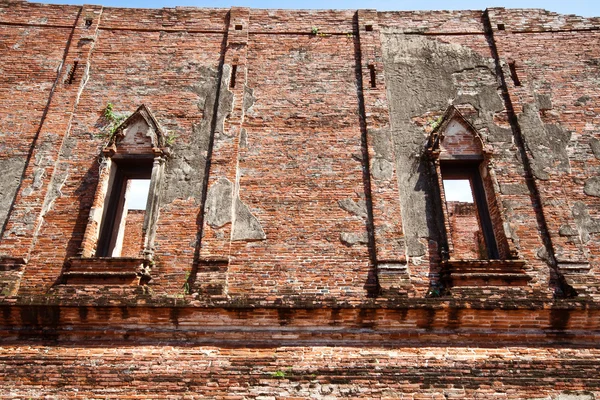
[(133, 240), (296, 372), (31, 56), (298, 166), (433, 22), (465, 230), (300, 235), (556, 105)]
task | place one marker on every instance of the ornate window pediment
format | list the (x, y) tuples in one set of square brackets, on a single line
[(455, 138), (138, 135)]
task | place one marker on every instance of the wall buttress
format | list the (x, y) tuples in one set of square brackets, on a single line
[(223, 180), (388, 236), (37, 191)]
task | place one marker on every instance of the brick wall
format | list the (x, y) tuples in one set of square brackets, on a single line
[(294, 372), (300, 239), (133, 239), (465, 230), (543, 106)]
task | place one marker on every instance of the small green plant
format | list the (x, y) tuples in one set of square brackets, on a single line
[(316, 32), (114, 119), (349, 35), (434, 124), (170, 139), (109, 112), (436, 289), (282, 373)]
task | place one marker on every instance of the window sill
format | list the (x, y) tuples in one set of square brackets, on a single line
[(484, 273), (106, 271)]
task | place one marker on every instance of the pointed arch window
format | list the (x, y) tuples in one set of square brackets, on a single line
[(477, 250), (118, 243), (471, 219)]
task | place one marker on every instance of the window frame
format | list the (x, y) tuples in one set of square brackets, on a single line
[(483, 186), (118, 164), (469, 170), (121, 159), (122, 171)]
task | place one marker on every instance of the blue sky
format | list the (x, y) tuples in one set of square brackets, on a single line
[(587, 8)]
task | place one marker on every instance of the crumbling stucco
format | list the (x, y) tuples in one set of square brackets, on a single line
[(513, 188), (595, 145), (12, 169), (185, 170), (487, 105), (581, 101), (585, 223), (358, 208), (424, 75), (42, 160), (381, 165), (382, 169), (55, 188), (350, 239), (69, 144), (498, 134), (509, 229), (592, 186), (567, 230), (249, 98), (243, 138), (544, 102), (60, 175), (225, 107), (246, 226), (26, 223), (218, 203), (547, 143), (575, 395)]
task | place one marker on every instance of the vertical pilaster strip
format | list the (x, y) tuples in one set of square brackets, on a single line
[(445, 214), (32, 200), (387, 220), (92, 230), (222, 180), (489, 19)]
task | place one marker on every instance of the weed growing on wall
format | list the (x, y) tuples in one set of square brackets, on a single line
[(114, 119)]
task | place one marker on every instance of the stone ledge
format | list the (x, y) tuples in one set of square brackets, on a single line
[(400, 267), (106, 271), (574, 267), (12, 263), (360, 326), (393, 278), (484, 273)]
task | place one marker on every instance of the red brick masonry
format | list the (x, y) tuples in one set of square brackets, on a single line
[(296, 243)]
